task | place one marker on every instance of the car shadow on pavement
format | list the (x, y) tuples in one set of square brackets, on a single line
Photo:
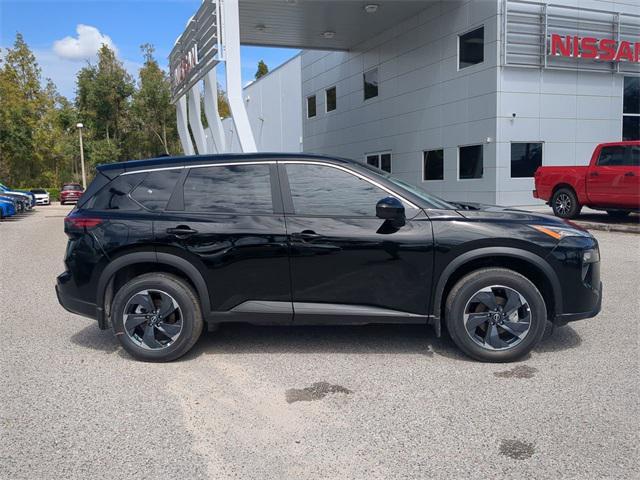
[(95, 339), (367, 339)]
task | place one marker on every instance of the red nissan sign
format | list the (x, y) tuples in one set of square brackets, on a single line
[(604, 49)]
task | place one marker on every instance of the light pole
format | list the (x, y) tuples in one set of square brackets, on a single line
[(80, 126)]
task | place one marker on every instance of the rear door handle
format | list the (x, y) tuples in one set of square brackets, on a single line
[(181, 231), (594, 174), (306, 235), (629, 174)]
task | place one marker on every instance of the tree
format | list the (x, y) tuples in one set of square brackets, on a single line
[(263, 69), (154, 116), (223, 104), (103, 99)]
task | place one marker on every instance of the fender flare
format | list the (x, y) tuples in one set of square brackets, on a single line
[(191, 272), (493, 252)]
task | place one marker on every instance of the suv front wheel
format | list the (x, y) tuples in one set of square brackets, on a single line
[(495, 315), (157, 317)]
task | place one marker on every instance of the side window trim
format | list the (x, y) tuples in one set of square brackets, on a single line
[(286, 190)]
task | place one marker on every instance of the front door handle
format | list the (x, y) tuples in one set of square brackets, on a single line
[(181, 231), (629, 174), (594, 174), (306, 235)]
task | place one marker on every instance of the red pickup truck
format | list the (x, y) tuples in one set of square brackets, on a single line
[(610, 182)]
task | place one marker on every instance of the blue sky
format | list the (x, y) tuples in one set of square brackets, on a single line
[(127, 24)]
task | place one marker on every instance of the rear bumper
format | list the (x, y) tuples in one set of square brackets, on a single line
[(565, 318), (73, 304)]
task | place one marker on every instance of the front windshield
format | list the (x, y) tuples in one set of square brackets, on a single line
[(432, 200)]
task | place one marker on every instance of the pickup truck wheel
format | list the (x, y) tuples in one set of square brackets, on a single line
[(618, 213), (157, 317), (495, 315), (565, 203)]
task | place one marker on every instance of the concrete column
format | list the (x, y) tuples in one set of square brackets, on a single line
[(195, 120), (216, 132), (231, 18), (183, 126)]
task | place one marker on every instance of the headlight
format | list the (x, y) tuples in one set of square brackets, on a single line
[(560, 232)]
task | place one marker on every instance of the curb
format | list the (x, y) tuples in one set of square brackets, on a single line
[(604, 227)]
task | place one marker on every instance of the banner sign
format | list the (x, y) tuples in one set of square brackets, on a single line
[(196, 51), (545, 35)]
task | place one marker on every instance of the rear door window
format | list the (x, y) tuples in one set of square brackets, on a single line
[(155, 190), (612, 156), (229, 189), (633, 156)]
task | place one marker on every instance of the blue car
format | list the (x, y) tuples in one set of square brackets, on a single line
[(28, 198), (7, 207)]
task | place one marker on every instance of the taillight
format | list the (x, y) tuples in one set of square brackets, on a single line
[(74, 224)]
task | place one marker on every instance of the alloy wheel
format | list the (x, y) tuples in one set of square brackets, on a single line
[(563, 204), (152, 319), (497, 318)]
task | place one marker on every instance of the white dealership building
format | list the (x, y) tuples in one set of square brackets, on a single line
[(462, 97)]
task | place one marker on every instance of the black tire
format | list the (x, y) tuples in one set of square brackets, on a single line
[(467, 289), (61, 203), (189, 310), (618, 214), (565, 203)]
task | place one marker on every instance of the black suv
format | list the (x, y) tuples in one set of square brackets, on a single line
[(159, 247)]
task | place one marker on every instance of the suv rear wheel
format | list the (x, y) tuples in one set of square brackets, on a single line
[(495, 315), (157, 317)]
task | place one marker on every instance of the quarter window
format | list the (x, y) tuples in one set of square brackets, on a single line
[(328, 191), (371, 84), (525, 159), (155, 191), (332, 100), (380, 160), (235, 189), (631, 109), (311, 106), (433, 165), (471, 162), (471, 48), (115, 195)]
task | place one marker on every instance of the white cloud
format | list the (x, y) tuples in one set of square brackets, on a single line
[(83, 47)]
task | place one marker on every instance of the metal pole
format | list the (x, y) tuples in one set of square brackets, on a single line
[(84, 175)]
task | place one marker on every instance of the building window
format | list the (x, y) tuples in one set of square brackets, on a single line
[(631, 109), (525, 159), (311, 106), (380, 160), (433, 165), (332, 101), (370, 84), (471, 48), (471, 162)]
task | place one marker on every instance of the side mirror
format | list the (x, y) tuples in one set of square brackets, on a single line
[(390, 208)]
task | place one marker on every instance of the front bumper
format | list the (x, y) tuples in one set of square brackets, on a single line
[(565, 318)]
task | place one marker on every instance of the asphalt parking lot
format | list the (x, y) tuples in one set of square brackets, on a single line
[(380, 402)]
